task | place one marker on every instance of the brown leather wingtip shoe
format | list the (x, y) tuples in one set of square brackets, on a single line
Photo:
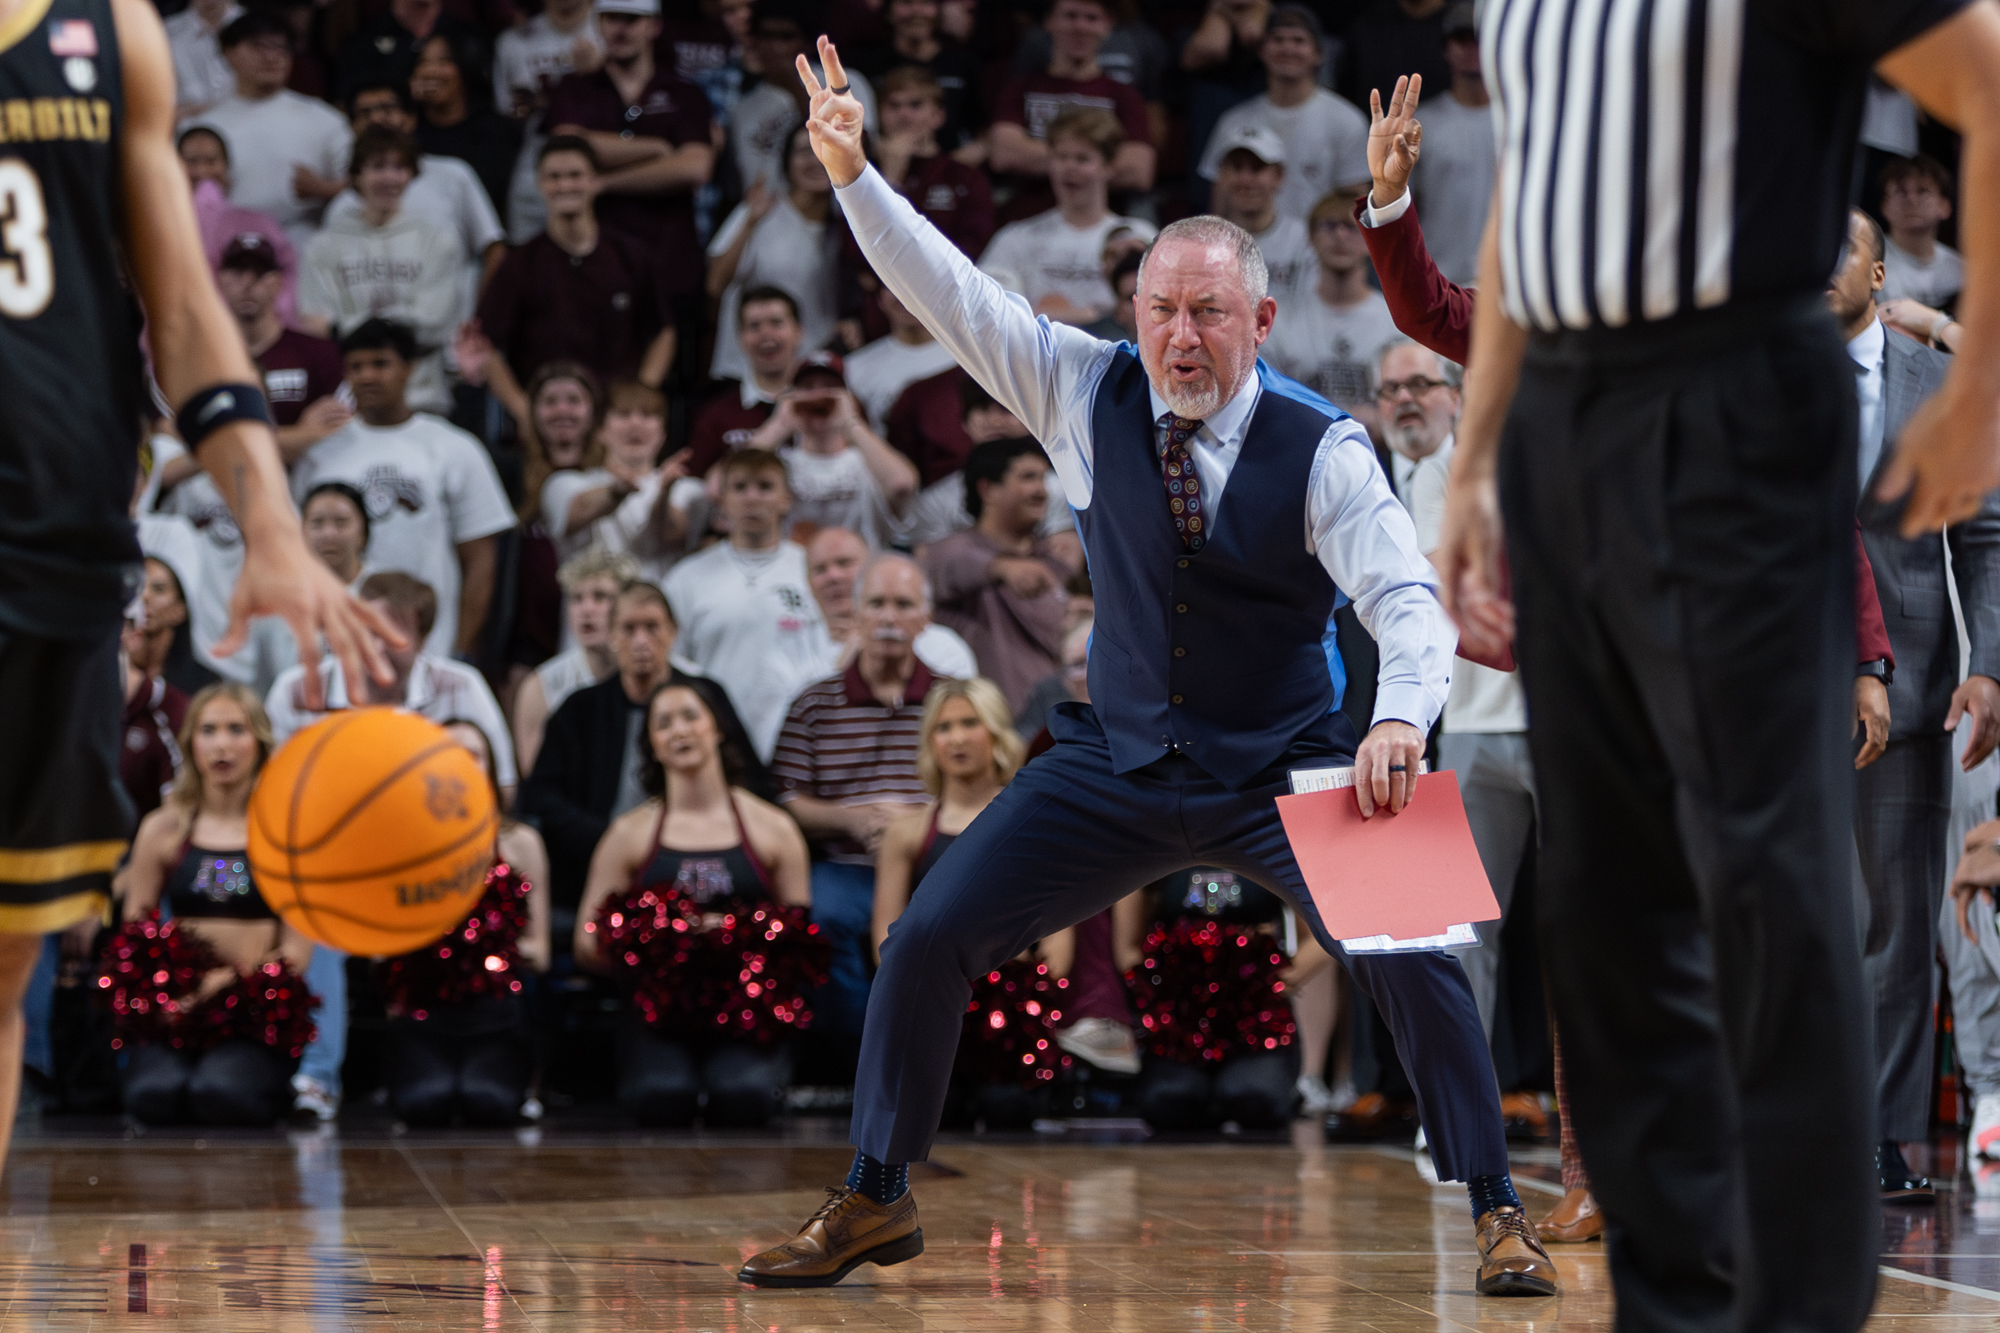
[(1512, 1261), (849, 1230), (1577, 1218)]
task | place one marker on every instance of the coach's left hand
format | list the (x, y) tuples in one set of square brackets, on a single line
[(1385, 767)]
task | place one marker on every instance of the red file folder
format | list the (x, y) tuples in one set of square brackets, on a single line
[(1407, 876)]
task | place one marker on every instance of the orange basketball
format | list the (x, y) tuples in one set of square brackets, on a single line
[(372, 831)]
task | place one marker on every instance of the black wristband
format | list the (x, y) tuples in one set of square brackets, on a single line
[(1878, 668), (215, 407)]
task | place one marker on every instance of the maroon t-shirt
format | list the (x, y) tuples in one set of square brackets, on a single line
[(602, 309), (927, 424), (670, 108), (299, 370), (149, 755), (956, 198), (723, 426), (1033, 100)]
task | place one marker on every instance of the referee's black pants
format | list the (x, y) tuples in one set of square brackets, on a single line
[(1679, 502)]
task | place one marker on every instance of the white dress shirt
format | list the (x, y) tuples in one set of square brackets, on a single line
[(1048, 374), (1868, 348)]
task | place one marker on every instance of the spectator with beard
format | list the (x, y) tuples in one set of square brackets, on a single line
[(769, 336), (846, 768), (744, 605), (842, 473), (916, 121), (1417, 396), (590, 583), (335, 518), (834, 560), (1329, 334), (1000, 583), (588, 770)]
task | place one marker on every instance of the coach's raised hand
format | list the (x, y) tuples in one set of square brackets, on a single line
[(835, 121)]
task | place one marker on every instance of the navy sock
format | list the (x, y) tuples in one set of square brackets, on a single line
[(1490, 1192), (884, 1182)]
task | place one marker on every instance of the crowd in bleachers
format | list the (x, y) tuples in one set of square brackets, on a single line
[(703, 542)]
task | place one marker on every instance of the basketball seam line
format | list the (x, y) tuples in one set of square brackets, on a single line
[(367, 798), (489, 825)]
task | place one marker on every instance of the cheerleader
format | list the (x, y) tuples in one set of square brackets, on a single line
[(458, 1008), (967, 750), (1212, 1055), (217, 1041), (687, 891)]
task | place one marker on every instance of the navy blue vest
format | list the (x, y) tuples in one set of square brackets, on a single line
[(1227, 655)]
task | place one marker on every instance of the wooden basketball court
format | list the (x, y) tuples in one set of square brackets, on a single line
[(366, 1230)]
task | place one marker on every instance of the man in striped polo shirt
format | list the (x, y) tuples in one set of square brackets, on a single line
[(846, 766)]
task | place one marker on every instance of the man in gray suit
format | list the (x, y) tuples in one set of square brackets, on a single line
[(1903, 800)]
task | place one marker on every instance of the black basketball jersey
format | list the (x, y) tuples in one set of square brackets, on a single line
[(69, 355)]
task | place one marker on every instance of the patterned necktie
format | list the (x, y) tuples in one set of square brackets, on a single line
[(1183, 484)]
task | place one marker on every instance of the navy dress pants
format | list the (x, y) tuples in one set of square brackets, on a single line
[(1066, 839)]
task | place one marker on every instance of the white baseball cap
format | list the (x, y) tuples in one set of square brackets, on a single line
[(645, 9), (1258, 139)]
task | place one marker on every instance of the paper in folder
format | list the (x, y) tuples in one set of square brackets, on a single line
[(1395, 883)]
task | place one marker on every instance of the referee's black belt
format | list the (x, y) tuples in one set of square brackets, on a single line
[(1688, 335)]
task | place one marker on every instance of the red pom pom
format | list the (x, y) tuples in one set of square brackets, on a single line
[(1205, 990), (1008, 1032), (745, 978), (151, 971), (478, 960)]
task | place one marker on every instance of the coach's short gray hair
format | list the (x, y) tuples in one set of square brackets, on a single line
[(1207, 229), (880, 558)]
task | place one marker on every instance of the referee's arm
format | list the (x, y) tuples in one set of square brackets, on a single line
[(1949, 455), (1469, 540)]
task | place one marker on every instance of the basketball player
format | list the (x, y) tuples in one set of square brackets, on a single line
[(92, 195)]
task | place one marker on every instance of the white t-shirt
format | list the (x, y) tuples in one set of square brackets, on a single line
[(878, 373), (446, 193), (266, 140), (201, 76), (789, 252), (1904, 275), (440, 689), (1453, 184), (1482, 700), (766, 116), (1043, 254), (408, 270), (563, 675), (1288, 254), (1326, 145), (838, 491), (429, 487), (748, 621), (1329, 349), (627, 529), (533, 58), (939, 510)]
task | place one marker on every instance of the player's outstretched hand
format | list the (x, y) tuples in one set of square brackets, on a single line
[(1385, 767), (282, 578), (834, 120), (1395, 140), (1470, 543), (1947, 460)]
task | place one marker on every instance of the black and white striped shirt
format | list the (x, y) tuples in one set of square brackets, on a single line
[(1657, 156)]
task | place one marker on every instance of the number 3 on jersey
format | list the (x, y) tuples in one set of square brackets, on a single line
[(27, 269)]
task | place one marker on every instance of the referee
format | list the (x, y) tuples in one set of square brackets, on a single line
[(1677, 477)]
